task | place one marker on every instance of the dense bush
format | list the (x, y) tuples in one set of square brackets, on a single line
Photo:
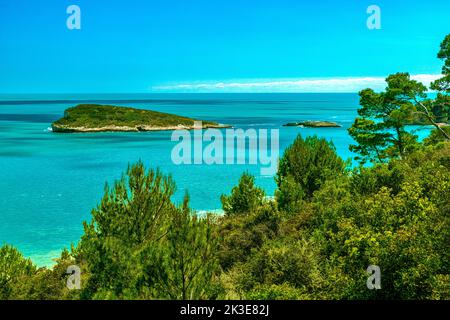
[(244, 198), (304, 167), (405, 232), (140, 245), (15, 273), (393, 215)]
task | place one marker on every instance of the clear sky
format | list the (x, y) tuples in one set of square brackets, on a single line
[(210, 45)]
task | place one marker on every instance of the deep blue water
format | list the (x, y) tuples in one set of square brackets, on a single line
[(50, 182)]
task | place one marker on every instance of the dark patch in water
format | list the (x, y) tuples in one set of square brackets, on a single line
[(25, 139), (110, 138), (247, 119), (302, 113), (15, 154), (95, 165), (29, 117)]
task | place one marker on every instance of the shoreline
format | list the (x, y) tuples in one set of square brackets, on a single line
[(143, 128)]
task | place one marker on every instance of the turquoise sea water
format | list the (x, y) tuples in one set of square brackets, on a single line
[(50, 182)]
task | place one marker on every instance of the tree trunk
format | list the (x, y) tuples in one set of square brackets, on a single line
[(427, 114)]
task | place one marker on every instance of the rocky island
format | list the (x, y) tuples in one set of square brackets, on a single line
[(102, 118), (313, 124)]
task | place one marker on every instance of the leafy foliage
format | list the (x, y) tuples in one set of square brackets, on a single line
[(189, 260), (380, 128), (304, 167), (140, 245), (14, 270), (443, 84), (244, 197)]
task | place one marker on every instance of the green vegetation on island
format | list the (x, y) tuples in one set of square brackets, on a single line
[(313, 124), (98, 118), (315, 240)]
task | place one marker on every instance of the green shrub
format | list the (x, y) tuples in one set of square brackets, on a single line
[(304, 167), (244, 198)]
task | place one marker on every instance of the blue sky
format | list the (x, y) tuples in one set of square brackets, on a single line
[(209, 45)]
